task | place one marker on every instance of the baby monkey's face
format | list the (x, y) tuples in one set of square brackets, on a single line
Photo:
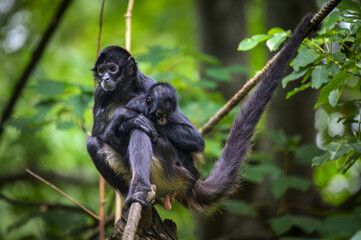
[(162, 116), (162, 102)]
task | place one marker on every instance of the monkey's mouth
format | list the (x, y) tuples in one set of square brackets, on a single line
[(162, 121), (107, 87)]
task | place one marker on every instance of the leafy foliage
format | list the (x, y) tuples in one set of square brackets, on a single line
[(331, 63), (47, 131)]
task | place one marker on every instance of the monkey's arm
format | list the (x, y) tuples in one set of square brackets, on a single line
[(124, 120), (181, 132), (99, 111)]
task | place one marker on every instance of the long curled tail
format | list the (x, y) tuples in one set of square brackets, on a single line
[(225, 173)]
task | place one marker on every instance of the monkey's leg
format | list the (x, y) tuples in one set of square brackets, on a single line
[(140, 158), (109, 163)]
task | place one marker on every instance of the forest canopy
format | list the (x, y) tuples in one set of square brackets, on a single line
[(302, 178)]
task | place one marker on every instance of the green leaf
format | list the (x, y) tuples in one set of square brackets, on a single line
[(334, 83), (43, 108), (256, 173), (282, 224), (224, 73), (240, 208), (334, 96), (333, 68), (282, 183), (320, 160), (79, 104), (319, 76), (329, 21), (275, 30), (356, 146), (337, 150), (64, 125), (275, 41), (49, 87), (304, 154), (341, 226), (205, 83), (356, 236), (157, 54), (304, 57), (338, 56), (293, 76), (297, 90), (249, 43)]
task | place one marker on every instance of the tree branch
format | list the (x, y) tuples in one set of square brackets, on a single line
[(43, 206), (37, 54), (64, 194), (234, 101), (135, 215)]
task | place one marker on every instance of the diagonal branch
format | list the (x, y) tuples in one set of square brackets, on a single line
[(242, 93), (63, 193), (36, 56)]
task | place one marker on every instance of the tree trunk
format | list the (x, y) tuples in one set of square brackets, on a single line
[(150, 226), (221, 25)]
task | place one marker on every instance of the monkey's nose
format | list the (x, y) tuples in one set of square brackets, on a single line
[(162, 121)]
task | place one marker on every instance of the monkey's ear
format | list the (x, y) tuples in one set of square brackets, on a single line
[(130, 66)]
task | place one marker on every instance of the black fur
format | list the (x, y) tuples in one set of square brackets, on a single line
[(135, 149), (120, 151)]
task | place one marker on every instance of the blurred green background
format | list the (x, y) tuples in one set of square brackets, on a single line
[(193, 46)]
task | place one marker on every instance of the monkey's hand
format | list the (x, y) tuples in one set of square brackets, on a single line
[(142, 123), (111, 138)]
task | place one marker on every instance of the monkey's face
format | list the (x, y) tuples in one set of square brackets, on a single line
[(160, 109), (108, 75), (114, 69), (162, 116)]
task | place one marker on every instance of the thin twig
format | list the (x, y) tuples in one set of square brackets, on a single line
[(43, 206), (101, 208), (99, 34), (36, 56), (234, 101), (128, 22), (128, 35), (101, 179), (63, 193)]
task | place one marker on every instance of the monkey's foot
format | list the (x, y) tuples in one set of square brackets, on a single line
[(140, 197)]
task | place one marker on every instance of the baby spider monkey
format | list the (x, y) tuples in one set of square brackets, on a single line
[(158, 104)]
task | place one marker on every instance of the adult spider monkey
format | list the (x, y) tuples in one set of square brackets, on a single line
[(128, 165), (158, 105)]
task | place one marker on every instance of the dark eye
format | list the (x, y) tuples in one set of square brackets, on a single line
[(149, 100), (169, 114), (113, 69), (101, 70), (158, 113)]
